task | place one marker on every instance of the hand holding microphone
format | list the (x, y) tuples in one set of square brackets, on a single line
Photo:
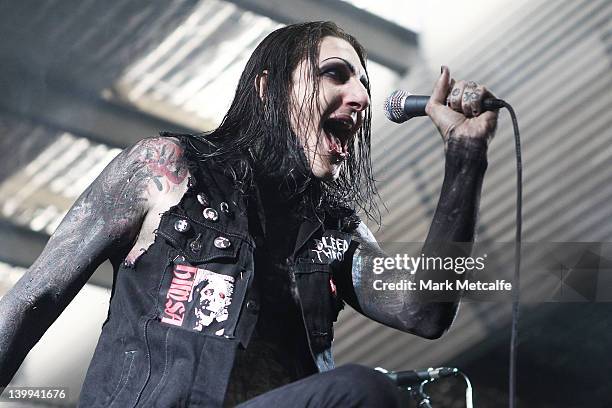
[(461, 110), (467, 113)]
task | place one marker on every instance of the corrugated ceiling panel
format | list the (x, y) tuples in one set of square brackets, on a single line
[(39, 194), (95, 40)]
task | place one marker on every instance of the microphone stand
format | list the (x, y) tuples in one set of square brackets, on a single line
[(419, 395)]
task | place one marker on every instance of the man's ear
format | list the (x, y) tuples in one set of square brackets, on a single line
[(261, 84)]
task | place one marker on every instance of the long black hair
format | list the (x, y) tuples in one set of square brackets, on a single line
[(255, 140)]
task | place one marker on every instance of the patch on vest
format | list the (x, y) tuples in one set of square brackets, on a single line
[(330, 247), (198, 299)]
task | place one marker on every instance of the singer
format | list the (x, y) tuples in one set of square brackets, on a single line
[(234, 250)]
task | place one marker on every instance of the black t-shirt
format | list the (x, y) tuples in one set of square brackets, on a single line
[(278, 351)]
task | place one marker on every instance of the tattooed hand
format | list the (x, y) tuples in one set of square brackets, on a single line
[(455, 109), (102, 224)]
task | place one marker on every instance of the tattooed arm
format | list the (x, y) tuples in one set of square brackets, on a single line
[(454, 222), (102, 224), (466, 133)]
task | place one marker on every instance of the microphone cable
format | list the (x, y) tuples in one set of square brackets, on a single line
[(401, 106), (517, 259)]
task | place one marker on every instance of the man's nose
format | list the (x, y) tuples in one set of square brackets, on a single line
[(357, 95)]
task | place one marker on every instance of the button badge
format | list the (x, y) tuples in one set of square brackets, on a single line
[(195, 246), (181, 226), (210, 214), (222, 243), (202, 199)]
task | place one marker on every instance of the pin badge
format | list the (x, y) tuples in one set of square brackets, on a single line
[(202, 199), (210, 214), (222, 243), (196, 245), (181, 225), (191, 182)]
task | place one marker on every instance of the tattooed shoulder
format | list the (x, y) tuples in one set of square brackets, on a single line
[(163, 161), (163, 173), (134, 181)]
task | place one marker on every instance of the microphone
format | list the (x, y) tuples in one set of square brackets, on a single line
[(401, 105), (412, 377)]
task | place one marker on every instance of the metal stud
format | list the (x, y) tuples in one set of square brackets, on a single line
[(210, 214), (224, 207), (202, 199), (251, 305), (222, 243), (191, 182), (181, 226), (196, 245)]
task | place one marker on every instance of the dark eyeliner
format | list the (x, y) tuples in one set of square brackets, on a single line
[(338, 71)]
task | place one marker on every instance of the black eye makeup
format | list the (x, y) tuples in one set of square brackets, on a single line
[(335, 70), (341, 70)]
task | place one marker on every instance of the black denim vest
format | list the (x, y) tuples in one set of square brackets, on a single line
[(177, 317)]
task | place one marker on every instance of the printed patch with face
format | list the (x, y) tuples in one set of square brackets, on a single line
[(198, 299)]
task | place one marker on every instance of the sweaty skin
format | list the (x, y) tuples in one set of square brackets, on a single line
[(122, 205)]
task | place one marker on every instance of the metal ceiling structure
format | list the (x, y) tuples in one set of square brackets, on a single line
[(388, 44), (154, 68), (82, 79)]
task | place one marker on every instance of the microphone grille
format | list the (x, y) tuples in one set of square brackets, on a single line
[(394, 106)]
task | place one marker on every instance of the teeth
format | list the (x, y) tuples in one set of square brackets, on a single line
[(338, 130)]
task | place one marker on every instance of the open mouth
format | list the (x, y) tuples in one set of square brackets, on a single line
[(339, 132)]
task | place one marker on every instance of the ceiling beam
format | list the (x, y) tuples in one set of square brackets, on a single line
[(62, 106), (386, 42), (20, 246)]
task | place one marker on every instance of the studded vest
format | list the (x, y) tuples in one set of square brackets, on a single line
[(178, 316)]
